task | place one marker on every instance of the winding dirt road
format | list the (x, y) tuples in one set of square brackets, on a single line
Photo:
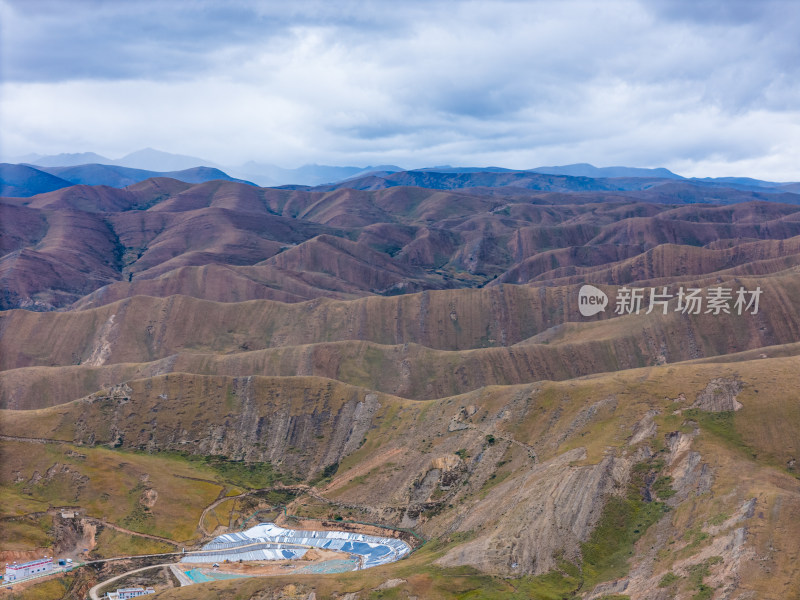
[(93, 592), (218, 501)]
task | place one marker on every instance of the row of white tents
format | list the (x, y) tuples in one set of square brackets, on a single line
[(267, 541)]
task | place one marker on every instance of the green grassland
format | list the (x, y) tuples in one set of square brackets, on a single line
[(111, 543), (58, 587), (108, 484)]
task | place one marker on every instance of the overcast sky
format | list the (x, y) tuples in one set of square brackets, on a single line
[(702, 88)]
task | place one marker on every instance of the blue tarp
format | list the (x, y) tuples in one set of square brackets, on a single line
[(267, 541)]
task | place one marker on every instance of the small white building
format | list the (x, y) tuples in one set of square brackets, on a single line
[(15, 572), (133, 592)]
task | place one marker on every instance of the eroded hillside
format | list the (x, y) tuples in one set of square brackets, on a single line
[(229, 242), (682, 468), (412, 361), (420, 346)]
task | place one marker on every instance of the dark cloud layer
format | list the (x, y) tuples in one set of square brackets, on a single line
[(54, 40), (701, 87)]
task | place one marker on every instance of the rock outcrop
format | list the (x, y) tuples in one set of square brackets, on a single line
[(535, 516), (720, 395)]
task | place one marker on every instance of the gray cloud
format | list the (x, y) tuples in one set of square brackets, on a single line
[(696, 86), (53, 40), (709, 12)]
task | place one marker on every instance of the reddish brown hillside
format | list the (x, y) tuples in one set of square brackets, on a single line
[(227, 283), (654, 231), (668, 262), (205, 236), (143, 329), (89, 198), (353, 262), (21, 227), (408, 239), (56, 257)]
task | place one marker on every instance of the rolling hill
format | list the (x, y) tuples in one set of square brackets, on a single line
[(236, 242), (117, 176), (587, 170), (22, 180), (405, 354), (663, 185)]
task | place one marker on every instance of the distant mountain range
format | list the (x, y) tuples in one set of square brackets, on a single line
[(23, 181), (114, 176), (30, 176), (309, 175), (505, 182), (587, 170), (147, 159), (576, 170)]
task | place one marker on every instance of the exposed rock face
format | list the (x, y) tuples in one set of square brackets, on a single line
[(619, 587), (732, 552), (645, 428), (723, 559), (390, 583), (688, 471), (720, 395), (457, 423), (445, 472), (316, 426), (549, 509), (102, 347), (73, 534), (261, 435), (59, 474), (149, 498)]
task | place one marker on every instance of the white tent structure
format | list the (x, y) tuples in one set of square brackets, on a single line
[(267, 541)]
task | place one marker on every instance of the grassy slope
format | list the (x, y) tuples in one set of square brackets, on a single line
[(750, 452), (109, 485)]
